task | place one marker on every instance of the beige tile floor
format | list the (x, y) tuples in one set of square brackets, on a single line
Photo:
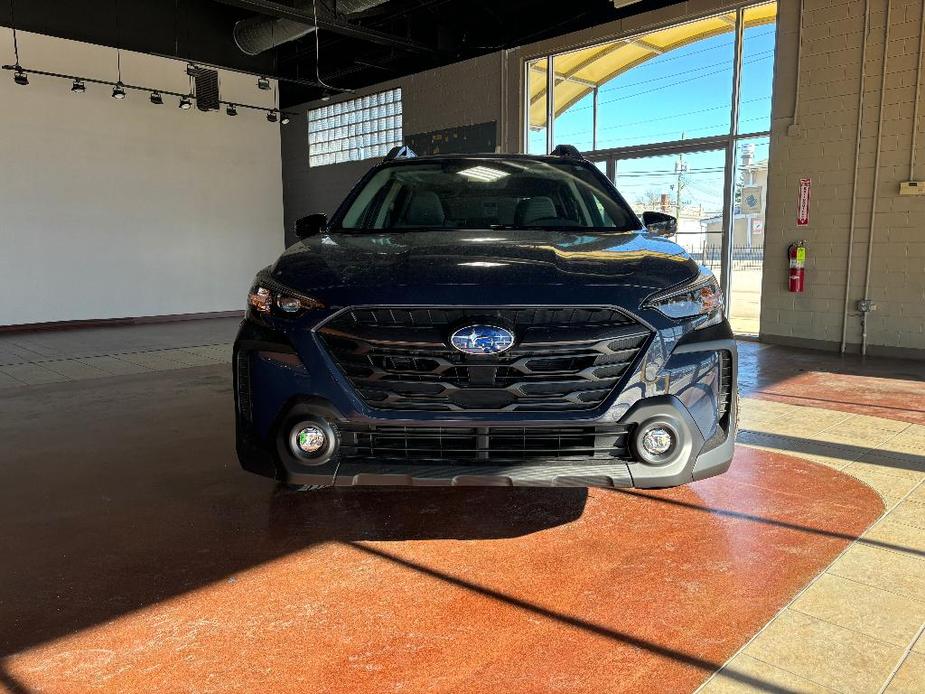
[(858, 627)]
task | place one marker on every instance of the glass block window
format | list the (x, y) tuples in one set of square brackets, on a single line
[(361, 128)]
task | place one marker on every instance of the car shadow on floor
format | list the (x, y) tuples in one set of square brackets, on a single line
[(89, 563), (422, 513), (127, 493)]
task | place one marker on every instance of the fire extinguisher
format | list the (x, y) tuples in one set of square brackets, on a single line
[(797, 254)]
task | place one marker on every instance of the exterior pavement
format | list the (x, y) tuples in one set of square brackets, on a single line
[(138, 557)]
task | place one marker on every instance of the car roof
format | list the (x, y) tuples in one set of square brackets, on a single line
[(488, 156), (485, 155)]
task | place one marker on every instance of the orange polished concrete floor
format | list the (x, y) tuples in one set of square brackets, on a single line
[(137, 557)]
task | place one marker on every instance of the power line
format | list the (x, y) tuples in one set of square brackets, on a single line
[(576, 109), (582, 135), (674, 84)]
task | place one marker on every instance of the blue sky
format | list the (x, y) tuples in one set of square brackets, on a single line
[(681, 94)]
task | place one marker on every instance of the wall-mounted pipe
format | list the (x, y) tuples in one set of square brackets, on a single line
[(873, 202), (854, 182), (918, 93), (796, 95)]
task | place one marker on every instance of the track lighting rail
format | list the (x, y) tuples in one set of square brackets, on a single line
[(284, 115)]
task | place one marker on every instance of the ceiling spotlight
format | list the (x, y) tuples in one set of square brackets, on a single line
[(325, 97), (272, 117), (284, 120), (19, 76), (156, 98), (232, 110), (118, 92), (78, 87), (186, 102), (263, 83)]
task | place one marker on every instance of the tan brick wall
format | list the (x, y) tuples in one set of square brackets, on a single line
[(830, 79)]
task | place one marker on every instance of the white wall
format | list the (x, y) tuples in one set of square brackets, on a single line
[(115, 209)]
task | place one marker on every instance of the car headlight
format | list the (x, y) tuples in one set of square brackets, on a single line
[(269, 297), (702, 297)]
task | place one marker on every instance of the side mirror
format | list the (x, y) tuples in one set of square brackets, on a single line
[(660, 224), (310, 225)]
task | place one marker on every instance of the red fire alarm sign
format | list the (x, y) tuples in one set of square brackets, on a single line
[(803, 207)]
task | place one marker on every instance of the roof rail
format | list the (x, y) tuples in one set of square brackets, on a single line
[(570, 151), (400, 152)]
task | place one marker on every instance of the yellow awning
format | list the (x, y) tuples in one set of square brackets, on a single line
[(579, 72)]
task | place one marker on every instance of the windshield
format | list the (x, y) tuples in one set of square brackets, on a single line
[(487, 193)]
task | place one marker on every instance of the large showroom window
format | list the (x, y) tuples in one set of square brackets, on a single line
[(361, 128), (679, 119)]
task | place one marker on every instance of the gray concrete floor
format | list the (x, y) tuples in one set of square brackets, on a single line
[(46, 356)]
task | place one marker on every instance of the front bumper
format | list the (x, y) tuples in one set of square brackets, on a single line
[(679, 382)]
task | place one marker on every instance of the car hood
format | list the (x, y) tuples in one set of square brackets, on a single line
[(440, 259)]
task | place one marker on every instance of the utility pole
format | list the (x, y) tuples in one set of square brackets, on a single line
[(680, 167)]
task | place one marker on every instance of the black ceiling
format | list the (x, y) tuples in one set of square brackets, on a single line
[(399, 37)]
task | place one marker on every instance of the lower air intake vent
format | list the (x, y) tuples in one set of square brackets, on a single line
[(591, 444)]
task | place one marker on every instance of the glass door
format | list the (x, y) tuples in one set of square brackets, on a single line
[(679, 119), (686, 185), (747, 239)]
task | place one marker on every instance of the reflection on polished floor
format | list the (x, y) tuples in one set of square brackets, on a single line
[(138, 557)]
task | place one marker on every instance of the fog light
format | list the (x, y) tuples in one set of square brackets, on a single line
[(657, 441), (310, 439)]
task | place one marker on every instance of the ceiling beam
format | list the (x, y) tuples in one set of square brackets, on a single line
[(329, 23), (563, 77), (648, 46)]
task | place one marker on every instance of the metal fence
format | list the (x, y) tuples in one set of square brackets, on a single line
[(743, 257)]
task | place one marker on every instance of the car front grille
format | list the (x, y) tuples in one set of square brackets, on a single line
[(590, 444), (563, 358)]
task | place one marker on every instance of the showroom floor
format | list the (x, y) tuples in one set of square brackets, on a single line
[(138, 557)]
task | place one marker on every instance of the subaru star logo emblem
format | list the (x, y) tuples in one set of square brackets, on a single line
[(482, 339)]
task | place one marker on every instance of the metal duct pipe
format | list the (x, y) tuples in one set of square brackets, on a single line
[(355, 6), (260, 33)]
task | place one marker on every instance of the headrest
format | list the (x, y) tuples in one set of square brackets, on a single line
[(425, 209), (532, 210)]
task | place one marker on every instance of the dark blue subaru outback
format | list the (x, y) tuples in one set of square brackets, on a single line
[(485, 320)]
